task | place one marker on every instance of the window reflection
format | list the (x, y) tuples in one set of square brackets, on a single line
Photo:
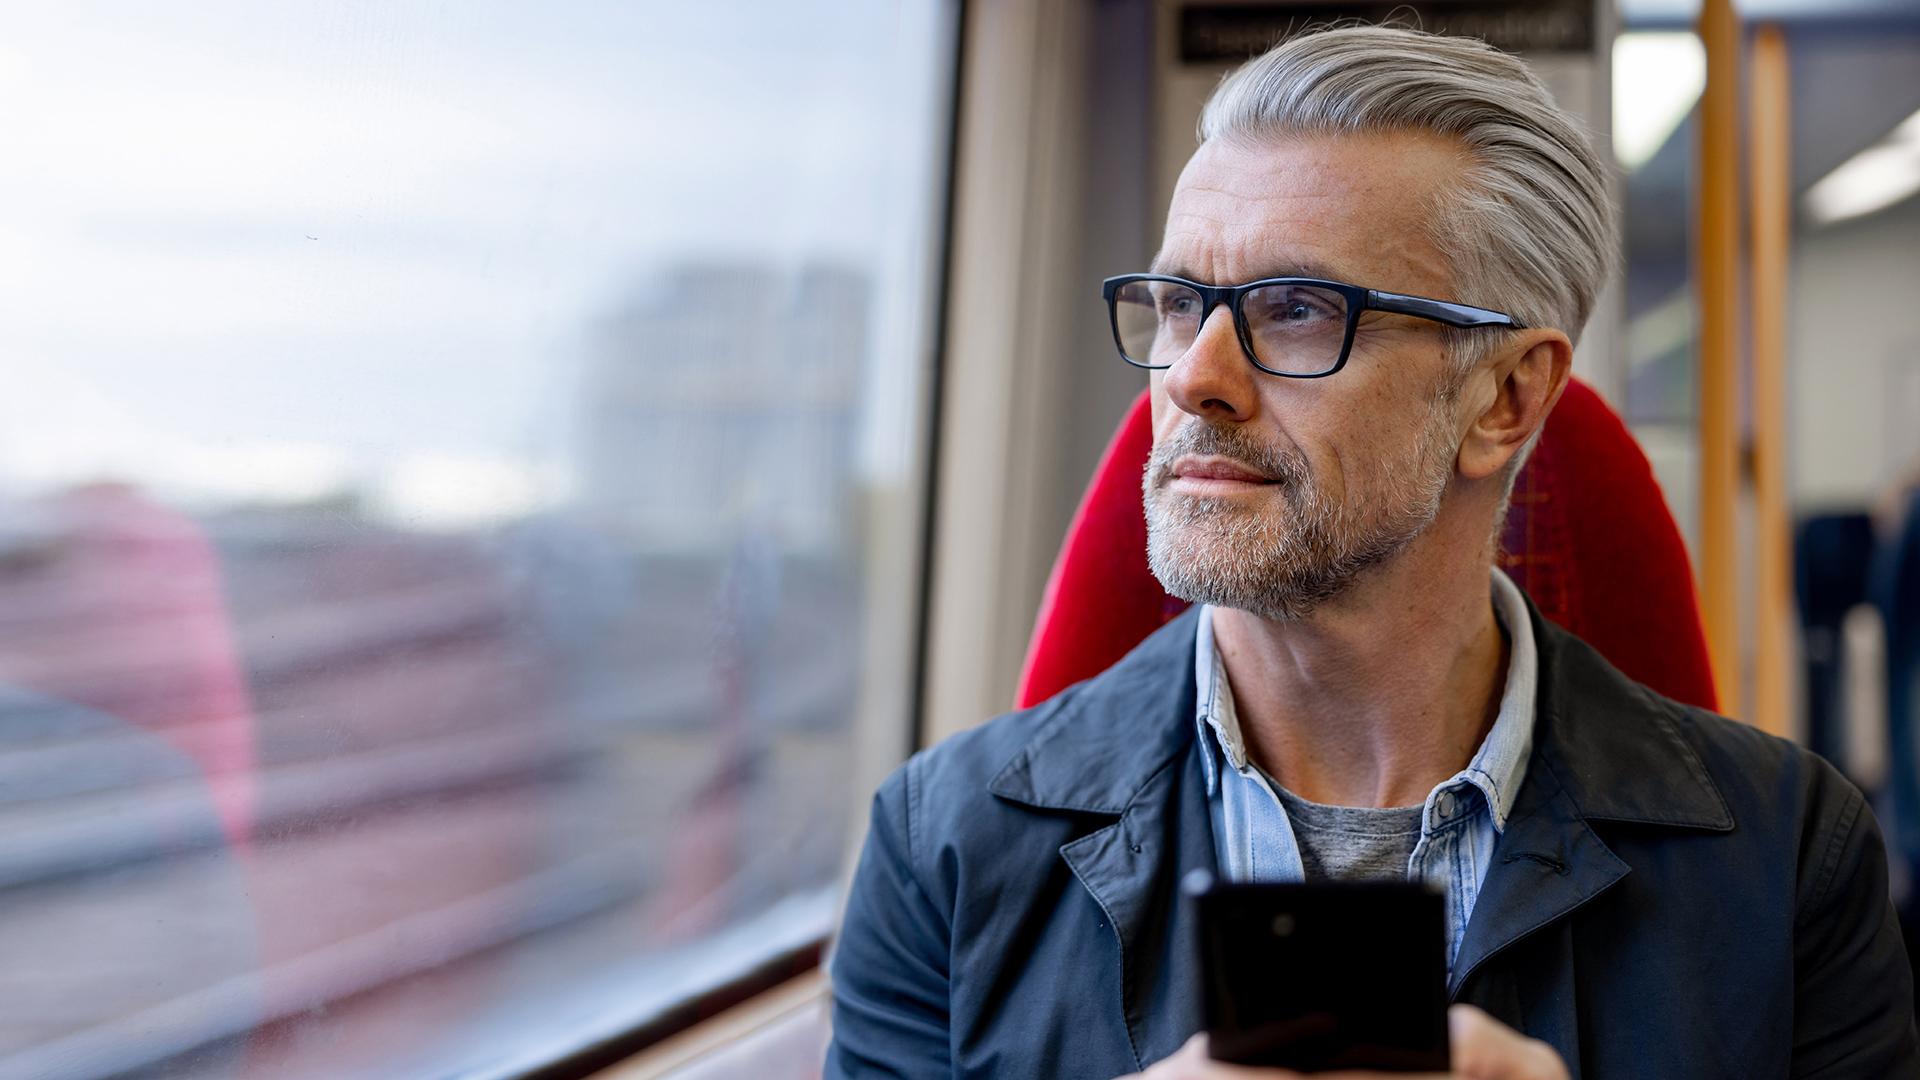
[(446, 482)]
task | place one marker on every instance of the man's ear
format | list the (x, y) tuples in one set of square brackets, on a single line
[(1527, 378)]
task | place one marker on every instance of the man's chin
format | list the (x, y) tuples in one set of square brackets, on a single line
[(1275, 604), (1255, 502), (1202, 564)]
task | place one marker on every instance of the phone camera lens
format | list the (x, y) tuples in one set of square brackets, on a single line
[(1282, 925)]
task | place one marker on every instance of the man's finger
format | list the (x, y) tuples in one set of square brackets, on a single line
[(1486, 1049)]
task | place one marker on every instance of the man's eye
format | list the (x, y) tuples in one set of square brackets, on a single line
[(1298, 309)]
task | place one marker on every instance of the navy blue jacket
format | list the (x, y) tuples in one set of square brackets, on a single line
[(1675, 894)]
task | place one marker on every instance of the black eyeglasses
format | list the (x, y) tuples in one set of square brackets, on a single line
[(1301, 328)]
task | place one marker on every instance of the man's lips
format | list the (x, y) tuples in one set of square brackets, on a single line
[(1216, 469)]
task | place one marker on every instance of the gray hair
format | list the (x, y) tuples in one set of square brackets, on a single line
[(1528, 229)]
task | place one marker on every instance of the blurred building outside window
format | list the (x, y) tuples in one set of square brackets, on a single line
[(461, 477)]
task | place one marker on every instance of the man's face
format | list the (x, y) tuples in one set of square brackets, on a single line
[(1271, 494)]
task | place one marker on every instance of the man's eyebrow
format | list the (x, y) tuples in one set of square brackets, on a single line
[(1173, 268)]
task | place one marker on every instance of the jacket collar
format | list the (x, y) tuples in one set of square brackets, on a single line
[(1615, 749), (1105, 738), (1605, 749)]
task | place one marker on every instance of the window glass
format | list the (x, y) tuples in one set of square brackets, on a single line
[(460, 499)]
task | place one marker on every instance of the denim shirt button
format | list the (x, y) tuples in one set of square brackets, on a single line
[(1444, 804)]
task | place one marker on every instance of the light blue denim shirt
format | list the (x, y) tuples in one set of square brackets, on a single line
[(1464, 815)]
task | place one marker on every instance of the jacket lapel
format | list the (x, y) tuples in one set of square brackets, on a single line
[(1133, 869), (1547, 863), (1122, 745), (1605, 749)]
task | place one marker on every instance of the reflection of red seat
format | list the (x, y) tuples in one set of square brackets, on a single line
[(125, 613), (1589, 537)]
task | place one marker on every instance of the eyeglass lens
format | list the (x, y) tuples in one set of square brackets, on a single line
[(1295, 329)]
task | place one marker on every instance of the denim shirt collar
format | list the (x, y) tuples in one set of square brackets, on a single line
[(1496, 768)]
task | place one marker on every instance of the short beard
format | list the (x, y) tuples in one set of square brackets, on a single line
[(1284, 561)]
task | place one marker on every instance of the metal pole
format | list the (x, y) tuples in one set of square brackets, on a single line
[(1769, 179), (1717, 279)]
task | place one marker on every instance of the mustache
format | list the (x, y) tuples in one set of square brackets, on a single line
[(1275, 463)]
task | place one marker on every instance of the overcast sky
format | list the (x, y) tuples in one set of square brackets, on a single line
[(254, 247)]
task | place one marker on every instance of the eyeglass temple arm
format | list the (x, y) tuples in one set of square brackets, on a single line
[(1439, 310)]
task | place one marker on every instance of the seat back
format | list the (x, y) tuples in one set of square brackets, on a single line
[(1588, 536)]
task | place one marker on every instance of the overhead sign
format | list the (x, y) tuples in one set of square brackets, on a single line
[(1230, 33)]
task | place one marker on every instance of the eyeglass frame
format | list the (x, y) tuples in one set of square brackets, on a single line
[(1358, 298)]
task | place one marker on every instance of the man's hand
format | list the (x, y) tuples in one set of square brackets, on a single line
[(1483, 1049)]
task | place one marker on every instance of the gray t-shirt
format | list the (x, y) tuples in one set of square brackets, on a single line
[(1341, 843)]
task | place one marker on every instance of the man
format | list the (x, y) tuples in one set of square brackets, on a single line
[(1634, 888)]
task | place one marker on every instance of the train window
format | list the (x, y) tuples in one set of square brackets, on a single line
[(463, 470)]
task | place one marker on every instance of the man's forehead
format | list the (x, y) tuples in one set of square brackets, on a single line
[(1351, 208)]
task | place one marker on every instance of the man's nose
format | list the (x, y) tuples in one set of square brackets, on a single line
[(1213, 379)]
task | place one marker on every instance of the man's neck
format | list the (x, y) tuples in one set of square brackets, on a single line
[(1380, 694)]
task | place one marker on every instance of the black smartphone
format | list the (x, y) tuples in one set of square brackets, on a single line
[(1333, 975)]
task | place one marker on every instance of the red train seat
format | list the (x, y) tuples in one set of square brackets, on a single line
[(1589, 537)]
